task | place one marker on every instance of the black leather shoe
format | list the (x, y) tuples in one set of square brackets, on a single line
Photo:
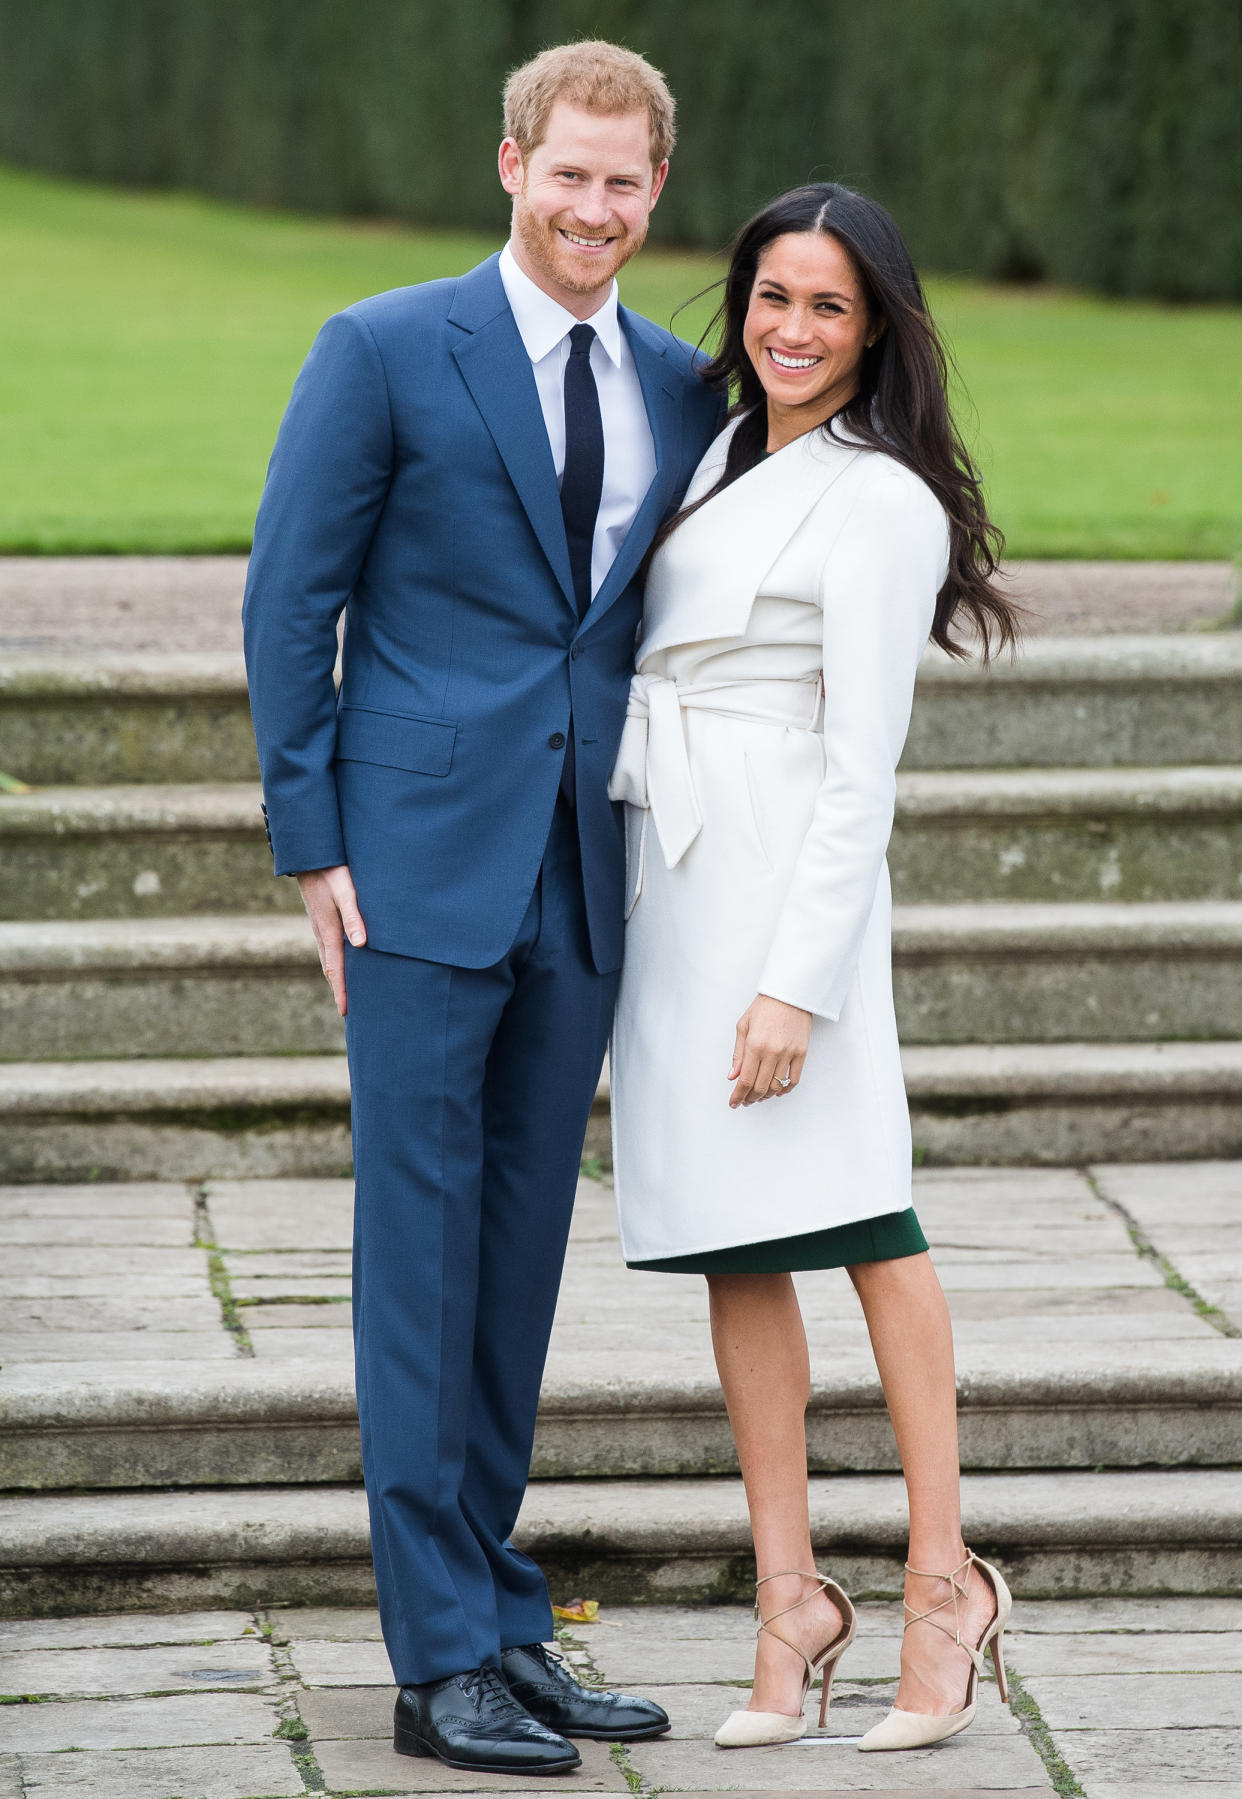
[(473, 1721), (544, 1686)]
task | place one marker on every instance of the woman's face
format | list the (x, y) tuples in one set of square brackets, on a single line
[(807, 326)]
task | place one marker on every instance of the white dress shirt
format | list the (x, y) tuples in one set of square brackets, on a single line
[(629, 450)]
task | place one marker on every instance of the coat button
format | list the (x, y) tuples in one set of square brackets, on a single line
[(575, 652), (556, 741)]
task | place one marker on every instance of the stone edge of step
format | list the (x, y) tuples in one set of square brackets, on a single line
[(68, 947), (691, 1517), (1124, 659), (227, 808), (1067, 1072), (69, 1396), (111, 675)]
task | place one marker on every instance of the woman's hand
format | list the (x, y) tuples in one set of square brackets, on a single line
[(769, 1050)]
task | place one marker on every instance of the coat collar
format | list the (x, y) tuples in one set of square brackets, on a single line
[(706, 579), (497, 370)]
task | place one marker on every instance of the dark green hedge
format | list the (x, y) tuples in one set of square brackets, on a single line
[(1095, 142)]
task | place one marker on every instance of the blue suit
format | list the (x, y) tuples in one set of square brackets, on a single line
[(412, 486)]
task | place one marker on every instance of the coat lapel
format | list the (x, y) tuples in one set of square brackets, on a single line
[(496, 369), (663, 400), (706, 579)]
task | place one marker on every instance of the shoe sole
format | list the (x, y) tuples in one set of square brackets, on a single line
[(616, 1736), (405, 1743)]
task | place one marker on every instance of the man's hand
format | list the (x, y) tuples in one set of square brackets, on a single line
[(332, 906), (769, 1050)]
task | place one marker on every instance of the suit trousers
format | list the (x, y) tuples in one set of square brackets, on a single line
[(471, 1094)]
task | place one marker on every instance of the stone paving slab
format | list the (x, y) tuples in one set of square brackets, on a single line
[(289, 1315), (170, 1723), (98, 1313), (334, 1623), (160, 1668), (168, 1231), (1147, 1652), (314, 1214), (99, 1199), (118, 1346), (321, 1662), (255, 1771), (364, 1765), (1128, 1701), (1000, 1764), (293, 1345), (1173, 1763), (46, 1281), (125, 1629), (319, 1286)]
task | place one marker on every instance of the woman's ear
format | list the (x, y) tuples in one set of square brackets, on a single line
[(876, 333)]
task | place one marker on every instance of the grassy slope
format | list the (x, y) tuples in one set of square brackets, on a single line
[(148, 343)]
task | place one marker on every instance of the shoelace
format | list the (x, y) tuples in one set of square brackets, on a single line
[(485, 1684)]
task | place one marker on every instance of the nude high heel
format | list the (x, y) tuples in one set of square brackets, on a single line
[(915, 1730), (747, 1730)]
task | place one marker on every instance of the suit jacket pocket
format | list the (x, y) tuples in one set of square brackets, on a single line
[(424, 746)]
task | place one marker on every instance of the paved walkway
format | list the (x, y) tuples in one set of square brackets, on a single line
[(115, 1275), (93, 604), (1117, 1699)]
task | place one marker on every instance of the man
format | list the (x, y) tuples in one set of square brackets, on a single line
[(461, 863)]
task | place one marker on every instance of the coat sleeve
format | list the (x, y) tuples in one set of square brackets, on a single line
[(878, 588), (326, 486)]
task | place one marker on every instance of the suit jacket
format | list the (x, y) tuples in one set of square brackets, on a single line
[(412, 484)]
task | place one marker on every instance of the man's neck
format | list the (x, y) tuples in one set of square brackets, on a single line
[(582, 306)]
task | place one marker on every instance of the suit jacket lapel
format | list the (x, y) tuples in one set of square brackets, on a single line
[(496, 369), (663, 400)]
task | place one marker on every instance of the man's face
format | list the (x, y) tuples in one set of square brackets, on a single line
[(581, 199)]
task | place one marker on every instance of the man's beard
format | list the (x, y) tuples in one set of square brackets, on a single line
[(549, 252)]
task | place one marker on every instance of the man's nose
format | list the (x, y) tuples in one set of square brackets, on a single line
[(593, 206)]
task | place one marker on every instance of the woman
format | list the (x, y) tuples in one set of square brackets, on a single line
[(835, 524)]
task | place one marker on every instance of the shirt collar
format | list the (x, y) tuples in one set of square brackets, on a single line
[(543, 322)]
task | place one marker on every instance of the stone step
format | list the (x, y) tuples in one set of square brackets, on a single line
[(991, 973), (293, 1421), (1073, 701), (113, 717), (242, 1117), (1035, 835), (1055, 1535)]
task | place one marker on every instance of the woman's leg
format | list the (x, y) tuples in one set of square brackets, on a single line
[(911, 1334), (761, 1355)]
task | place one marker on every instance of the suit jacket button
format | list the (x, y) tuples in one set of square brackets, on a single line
[(575, 652), (556, 741)]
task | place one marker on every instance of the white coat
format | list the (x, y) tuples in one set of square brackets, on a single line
[(784, 623)]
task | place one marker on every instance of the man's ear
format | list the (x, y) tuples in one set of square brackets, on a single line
[(657, 182), (512, 167)]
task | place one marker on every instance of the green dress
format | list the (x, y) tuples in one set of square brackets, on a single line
[(882, 1239)]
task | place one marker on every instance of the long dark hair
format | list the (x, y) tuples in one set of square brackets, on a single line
[(901, 406)]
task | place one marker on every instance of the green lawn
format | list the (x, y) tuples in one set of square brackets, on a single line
[(148, 343)]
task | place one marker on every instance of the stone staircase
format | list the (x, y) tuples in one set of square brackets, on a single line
[(1067, 864)]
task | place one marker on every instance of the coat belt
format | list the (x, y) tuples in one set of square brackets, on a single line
[(653, 770)]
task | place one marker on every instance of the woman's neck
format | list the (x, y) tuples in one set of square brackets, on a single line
[(788, 423)]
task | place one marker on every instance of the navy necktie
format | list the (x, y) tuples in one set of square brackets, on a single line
[(583, 479)]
